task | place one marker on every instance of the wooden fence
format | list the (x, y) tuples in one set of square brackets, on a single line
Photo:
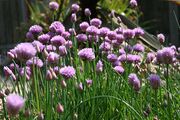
[(12, 13)]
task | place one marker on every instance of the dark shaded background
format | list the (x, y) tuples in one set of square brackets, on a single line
[(159, 14)]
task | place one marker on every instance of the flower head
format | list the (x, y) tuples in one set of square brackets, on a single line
[(34, 61), (138, 47), (62, 50), (73, 17), (92, 30), (134, 81), (99, 66), (44, 38), (81, 37), (84, 26), (35, 29), (133, 3), (58, 40), (87, 12), (25, 51), (103, 31), (119, 69), (154, 81), (53, 6), (112, 57), (53, 57), (57, 27), (75, 8), (161, 38), (67, 72), (96, 22), (111, 35), (87, 54), (138, 31), (105, 46), (14, 104)]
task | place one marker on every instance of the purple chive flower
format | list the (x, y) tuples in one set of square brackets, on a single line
[(25, 71), (138, 31), (122, 51), (106, 39), (128, 33), (159, 56), (131, 78), (73, 17), (53, 6), (59, 108), (62, 50), (75, 8), (81, 37), (93, 38), (103, 31), (14, 103), (89, 82), (80, 87), (56, 69), (53, 57), (67, 72), (58, 40), (35, 29), (133, 3), (99, 66), (12, 54), (87, 12), (92, 30), (34, 61), (137, 59), (134, 81), (150, 57), (136, 84), (130, 58), (122, 58), (84, 26), (120, 38), (111, 35), (66, 35), (7, 71), (116, 63), (119, 30), (96, 22), (49, 75), (57, 27), (112, 57), (14, 66), (68, 44), (50, 48), (161, 38), (44, 38), (154, 81), (25, 51), (105, 46), (167, 55), (119, 69), (38, 45), (29, 35), (87, 54), (138, 47)]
